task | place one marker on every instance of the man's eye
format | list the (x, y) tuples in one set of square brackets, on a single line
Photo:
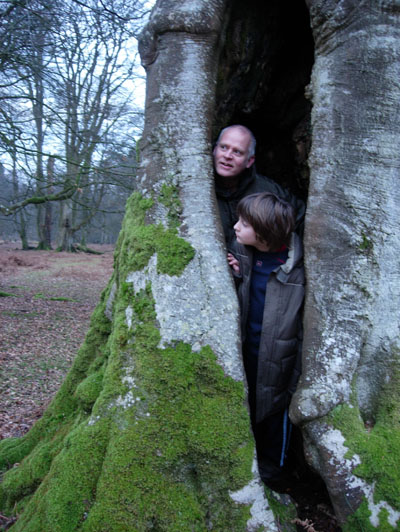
[(237, 152)]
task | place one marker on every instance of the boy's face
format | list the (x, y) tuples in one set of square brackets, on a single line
[(246, 235)]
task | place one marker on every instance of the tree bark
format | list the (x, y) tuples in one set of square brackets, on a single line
[(65, 230), (349, 392), (151, 430)]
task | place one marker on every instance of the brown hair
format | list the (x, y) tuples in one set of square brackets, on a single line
[(272, 218)]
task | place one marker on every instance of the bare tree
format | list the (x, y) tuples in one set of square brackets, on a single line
[(76, 88)]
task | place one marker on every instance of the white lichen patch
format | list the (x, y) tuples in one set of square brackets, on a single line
[(93, 420), (253, 495), (128, 316), (110, 301), (126, 401), (132, 397), (187, 312), (333, 442), (393, 516)]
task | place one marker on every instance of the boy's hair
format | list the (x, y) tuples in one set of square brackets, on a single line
[(272, 218)]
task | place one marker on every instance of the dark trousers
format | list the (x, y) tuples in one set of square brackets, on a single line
[(272, 434)]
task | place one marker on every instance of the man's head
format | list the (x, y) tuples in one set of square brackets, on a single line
[(271, 218), (234, 151)]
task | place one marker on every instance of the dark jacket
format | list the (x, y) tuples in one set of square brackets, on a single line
[(251, 183), (279, 357)]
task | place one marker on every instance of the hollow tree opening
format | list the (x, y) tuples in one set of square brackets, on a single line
[(266, 57)]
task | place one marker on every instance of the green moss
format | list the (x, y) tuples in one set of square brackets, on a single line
[(378, 448), (185, 446), (64, 497), (6, 294), (41, 296), (366, 243), (46, 436), (360, 520), (169, 197), (284, 511), (89, 389), (138, 437), (138, 242), (21, 482)]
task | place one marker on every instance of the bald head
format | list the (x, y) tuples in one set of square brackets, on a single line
[(234, 151)]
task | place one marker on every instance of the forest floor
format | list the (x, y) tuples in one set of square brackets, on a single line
[(46, 300), (43, 321)]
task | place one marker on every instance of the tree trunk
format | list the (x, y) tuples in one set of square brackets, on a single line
[(19, 218), (48, 208), (65, 229), (21, 224), (150, 429), (40, 226), (348, 397)]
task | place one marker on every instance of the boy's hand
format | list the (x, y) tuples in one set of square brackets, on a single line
[(233, 263)]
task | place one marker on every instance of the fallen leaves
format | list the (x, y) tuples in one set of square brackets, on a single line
[(40, 336)]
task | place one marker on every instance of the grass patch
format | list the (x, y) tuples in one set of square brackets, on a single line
[(21, 314), (56, 298)]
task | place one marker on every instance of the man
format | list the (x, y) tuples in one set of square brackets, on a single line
[(236, 177)]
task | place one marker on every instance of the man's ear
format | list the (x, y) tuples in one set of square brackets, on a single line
[(250, 161)]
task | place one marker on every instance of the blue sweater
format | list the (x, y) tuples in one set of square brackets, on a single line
[(264, 262)]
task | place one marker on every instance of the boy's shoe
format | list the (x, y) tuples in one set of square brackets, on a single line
[(281, 483)]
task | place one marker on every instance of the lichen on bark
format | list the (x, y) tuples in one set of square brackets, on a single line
[(140, 435), (375, 450)]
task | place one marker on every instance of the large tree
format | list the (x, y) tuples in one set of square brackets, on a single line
[(149, 430)]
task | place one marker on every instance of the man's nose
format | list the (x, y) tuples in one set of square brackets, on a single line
[(228, 154)]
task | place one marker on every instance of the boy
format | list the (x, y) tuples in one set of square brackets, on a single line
[(268, 267)]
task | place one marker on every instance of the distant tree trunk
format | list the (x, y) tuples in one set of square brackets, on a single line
[(37, 95), (65, 229), (48, 214), (19, 218), (40, 226), (21, 224)]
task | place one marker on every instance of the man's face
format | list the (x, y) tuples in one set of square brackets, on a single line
[(231, 154)]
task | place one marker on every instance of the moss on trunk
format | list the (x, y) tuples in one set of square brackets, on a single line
[(378, 449), (139, 437)]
